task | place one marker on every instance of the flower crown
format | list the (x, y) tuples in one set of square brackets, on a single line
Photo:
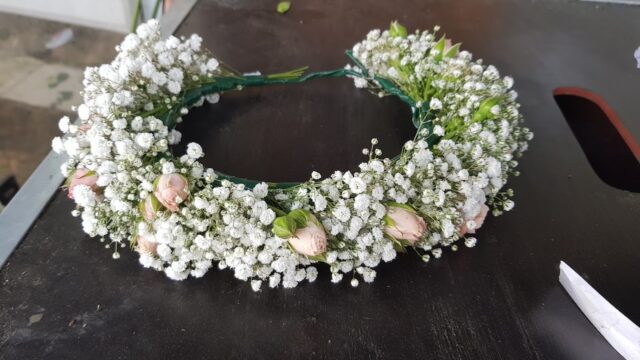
[(182, 218)]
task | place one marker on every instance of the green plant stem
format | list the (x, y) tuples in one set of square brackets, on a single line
[(156, 8), (295, 76), (136, 15)]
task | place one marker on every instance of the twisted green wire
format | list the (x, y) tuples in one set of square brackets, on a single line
[(222, 84)]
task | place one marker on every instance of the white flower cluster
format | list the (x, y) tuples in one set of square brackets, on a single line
[(228, 224), (120, 131), (183, 218)]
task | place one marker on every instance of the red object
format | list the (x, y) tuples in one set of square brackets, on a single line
[(607, 110)]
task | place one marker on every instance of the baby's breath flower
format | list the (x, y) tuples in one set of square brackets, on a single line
[(184, 219)]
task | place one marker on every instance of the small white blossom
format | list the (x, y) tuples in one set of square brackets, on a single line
[(194, 150), (174, 137), (508, 205), (357, 185), (168, 168), (267, 216), (212, 64), (144, 140), (336, 277), (470, 242), (83, 112), (342, 213), (84, 196), (274, 280), (447, 228), (174, 86), (256, 284), (213, 98), (63, 124), (57, 145), (360, 82)]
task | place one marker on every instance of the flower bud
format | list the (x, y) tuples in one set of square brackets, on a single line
[(404, 224), (303, 231), (81, 177), (171, 190), (396, 29), (146, 245), (149, 207), (478, 220)]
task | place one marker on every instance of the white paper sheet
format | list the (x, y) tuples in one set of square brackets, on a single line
[(619, 331)]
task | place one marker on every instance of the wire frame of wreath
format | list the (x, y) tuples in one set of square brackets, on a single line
[(420, 118)]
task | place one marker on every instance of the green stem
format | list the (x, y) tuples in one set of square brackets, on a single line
[(136, 15), (292, 74), (295, 76), (156, 8)]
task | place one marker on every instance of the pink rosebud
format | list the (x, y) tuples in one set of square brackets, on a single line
[(81, 177), (447, 45), (450, 49), (146, 246), (149, 207), (404, 224), (479, 220), (171, 190), (310, 240), (84, 128)]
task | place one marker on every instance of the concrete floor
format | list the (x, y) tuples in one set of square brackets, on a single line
[(39, 85)]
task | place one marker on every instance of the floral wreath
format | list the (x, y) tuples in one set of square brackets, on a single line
[(182, 218)]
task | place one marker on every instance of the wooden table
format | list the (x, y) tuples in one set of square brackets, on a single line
[(499, 300)]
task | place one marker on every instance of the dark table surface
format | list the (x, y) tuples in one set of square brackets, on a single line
[(62, 296)]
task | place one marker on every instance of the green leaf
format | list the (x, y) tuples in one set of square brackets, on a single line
[(402, 206), (358, 63), (89, 173), (405, 243), (454, 127), (397, 245), (291, 74), (301, 217), (155, 182), (440, 48), (67, 181), (399, 248), (321, 258), (453, 51), (134, 238), (396, 29), (284, 227), (291, 248), (277, 211), (155, 204), (484, 110), (388, 221), (283, 7)]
